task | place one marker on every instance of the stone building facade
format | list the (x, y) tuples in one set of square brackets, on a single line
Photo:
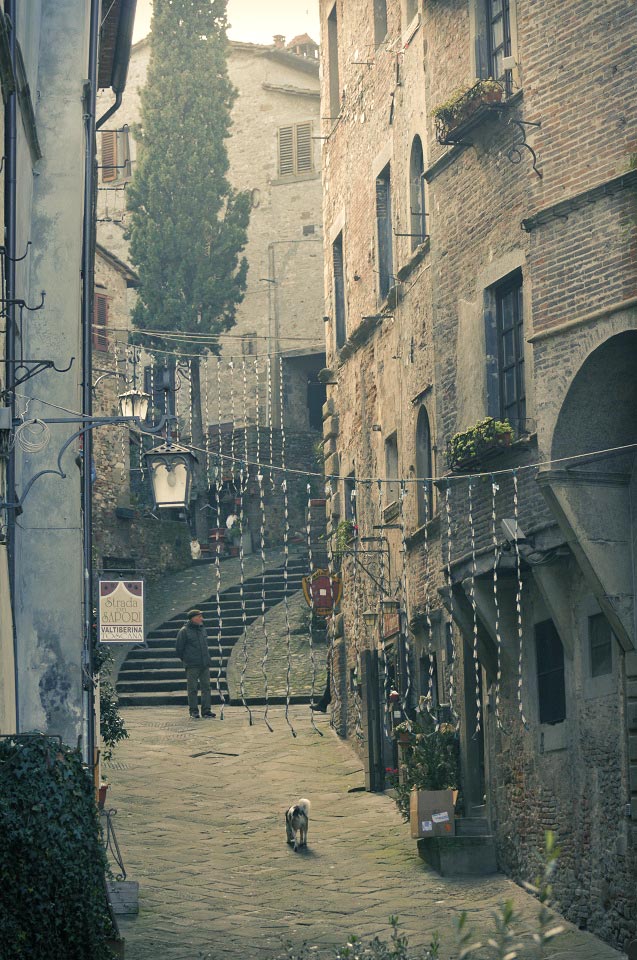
[(267, 375), (480, 263)]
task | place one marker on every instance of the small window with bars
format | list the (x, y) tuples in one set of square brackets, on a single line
[(295, 150), (100, 322), (116, 158), (550, 673)]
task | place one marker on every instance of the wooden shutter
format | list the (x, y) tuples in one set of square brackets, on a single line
[(109, 155), (304, 147), (286, 151), (100, 322), (123, 153)]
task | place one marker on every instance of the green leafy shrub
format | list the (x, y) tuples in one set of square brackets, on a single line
[(52, 863), (430, 761), (112, 727), (343, 536), (464, 101), (485, 436)]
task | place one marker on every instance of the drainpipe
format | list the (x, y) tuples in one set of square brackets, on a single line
[(88, 254), (9, 243)]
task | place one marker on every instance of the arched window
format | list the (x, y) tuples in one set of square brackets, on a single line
[(417, 194), (424, 467)]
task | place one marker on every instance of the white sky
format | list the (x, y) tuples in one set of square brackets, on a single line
[(254, 21)]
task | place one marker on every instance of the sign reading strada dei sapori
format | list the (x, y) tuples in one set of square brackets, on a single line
[(121, 611)]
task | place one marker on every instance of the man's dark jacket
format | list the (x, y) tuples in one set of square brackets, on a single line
[(192, 646)]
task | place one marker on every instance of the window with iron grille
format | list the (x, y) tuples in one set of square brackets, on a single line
[(550, 673), (510, 336), (295, 150), (600, 637), (339, 290), (100, 322), (384, 227)]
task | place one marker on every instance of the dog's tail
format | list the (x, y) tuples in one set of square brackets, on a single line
[(305, 806)]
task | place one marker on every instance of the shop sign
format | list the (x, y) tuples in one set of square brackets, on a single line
[(121, 611)]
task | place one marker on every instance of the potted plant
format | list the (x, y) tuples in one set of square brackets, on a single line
[(429, 762), (404, 732), (461, 107), (233, 539), (486, 436)]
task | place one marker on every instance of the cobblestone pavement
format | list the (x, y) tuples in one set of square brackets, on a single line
[(200, 824)]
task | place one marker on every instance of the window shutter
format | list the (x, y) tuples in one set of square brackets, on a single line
[(304, 147), (286, 151), (100, 322), (383, 217), (123, 153), (109, 155)]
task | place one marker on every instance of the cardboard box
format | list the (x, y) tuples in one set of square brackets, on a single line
[(431, 813)]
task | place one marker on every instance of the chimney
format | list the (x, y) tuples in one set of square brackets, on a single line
[(279, 41)]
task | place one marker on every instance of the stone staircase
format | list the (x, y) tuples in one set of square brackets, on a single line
[(154, 676), (470, 853)]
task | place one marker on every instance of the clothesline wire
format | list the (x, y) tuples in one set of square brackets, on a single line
[(583, 457)]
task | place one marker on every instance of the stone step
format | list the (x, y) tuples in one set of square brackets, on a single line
[(472, 826), (175, 698), (459, 856), (171, 673), (159, 685)]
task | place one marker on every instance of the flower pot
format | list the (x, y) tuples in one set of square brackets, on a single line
[(101, 795), (234, 550)]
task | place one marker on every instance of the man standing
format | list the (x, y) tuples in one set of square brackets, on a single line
[(192, 650)]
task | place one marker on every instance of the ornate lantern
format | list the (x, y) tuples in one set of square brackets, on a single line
[(134, 404), (171, 468)]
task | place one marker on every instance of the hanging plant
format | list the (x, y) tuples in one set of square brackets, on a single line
[(345, 532), (485, 437), (462, 104)]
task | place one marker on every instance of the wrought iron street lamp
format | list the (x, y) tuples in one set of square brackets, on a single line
[(171, 467), (134, 404)]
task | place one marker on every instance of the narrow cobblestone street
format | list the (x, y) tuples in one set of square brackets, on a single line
[(200, 824)]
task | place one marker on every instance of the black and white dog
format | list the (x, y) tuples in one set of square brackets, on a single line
[(296, 821)]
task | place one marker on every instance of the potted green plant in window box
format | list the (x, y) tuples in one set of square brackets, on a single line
[(484, 438), (462, 107)]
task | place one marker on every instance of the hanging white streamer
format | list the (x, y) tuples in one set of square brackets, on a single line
[(474, 611), (404, 604), (286, 551), (518, 600), (356, 626), (449, 574), (496, 601), (311, 631)]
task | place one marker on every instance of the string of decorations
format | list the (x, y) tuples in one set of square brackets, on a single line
[(358, 730), (450, 611), (474, 613), (496, 603), (518, 599), (286, 563), (262, 524), (383, 647), (404, 613), (427, 571), (310, 555)]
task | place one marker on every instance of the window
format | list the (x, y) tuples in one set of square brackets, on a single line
[(349, 493), (159, 382), (100, 322), (510, 336), (383, 220), (332, 53), (499, 38), (295, 149), (417, 194), (380, 21), (550, 673), (424, 468), (116, 159), (391, 468), (411, 9), (249, 344), (600, 638), (339, 290)]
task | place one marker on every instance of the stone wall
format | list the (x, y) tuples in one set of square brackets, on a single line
[(571, 234)]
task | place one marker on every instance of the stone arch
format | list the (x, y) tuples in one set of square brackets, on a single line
[(600, 406), (424, 466), (417, 211)]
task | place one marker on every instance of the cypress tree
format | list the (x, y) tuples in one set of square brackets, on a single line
[(188, 226)]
